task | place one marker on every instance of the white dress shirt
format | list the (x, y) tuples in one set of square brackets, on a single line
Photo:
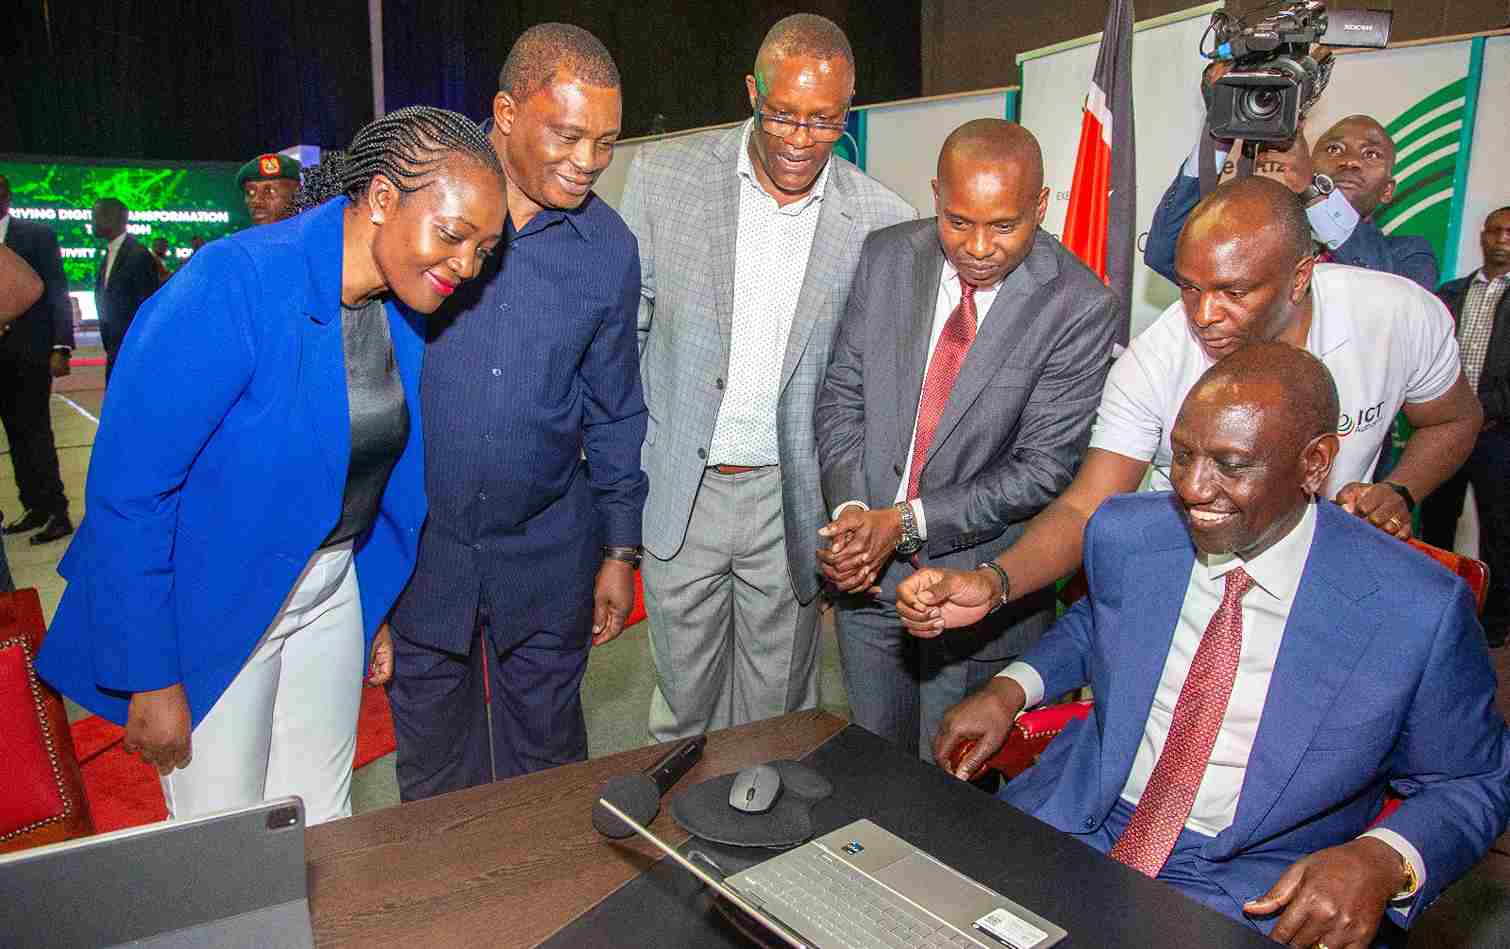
[(770, 261), (1476, 323), (112, 250), (1276, 574), (1333, 219), (4, 228), (944, 303)]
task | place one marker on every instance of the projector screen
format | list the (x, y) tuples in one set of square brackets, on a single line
[(171, 201)]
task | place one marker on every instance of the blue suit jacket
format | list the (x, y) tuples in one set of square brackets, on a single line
[(219, 468), (1382, 681), (1403, 255)]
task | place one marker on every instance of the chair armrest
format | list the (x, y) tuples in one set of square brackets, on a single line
[(1028, 738)]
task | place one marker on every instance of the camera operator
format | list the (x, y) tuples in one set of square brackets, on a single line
[(1343, 180)]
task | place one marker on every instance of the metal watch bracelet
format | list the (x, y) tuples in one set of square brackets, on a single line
[(1006, 584)]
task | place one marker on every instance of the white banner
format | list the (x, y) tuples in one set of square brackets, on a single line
[(1167, 118)]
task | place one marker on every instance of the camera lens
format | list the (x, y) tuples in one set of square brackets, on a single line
[(282, 817), (1261, 103)]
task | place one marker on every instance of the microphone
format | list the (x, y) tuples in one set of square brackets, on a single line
[(639, 795)]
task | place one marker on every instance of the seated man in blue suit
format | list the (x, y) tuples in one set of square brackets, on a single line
[(1265, 668), (1343, 180)]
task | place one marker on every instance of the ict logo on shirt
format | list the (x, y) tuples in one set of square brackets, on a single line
[(1361, 421)]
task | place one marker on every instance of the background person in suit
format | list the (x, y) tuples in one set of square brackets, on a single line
[(126, 277), (976, 344), (534, 425), (1356, 157), (35, 349), (256, 492), (20, 288), (748, 242), (1481, 306), (1265, 668)]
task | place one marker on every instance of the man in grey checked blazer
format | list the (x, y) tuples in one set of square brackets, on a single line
[(749, 238)]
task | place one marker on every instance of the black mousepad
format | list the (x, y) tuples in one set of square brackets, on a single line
[(704, 810)]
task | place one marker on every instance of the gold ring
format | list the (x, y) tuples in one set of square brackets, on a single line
[(1318, 944)]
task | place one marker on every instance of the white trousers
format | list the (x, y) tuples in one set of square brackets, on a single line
[(287, 724)]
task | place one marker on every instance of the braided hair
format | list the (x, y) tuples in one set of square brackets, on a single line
[(406, 146)]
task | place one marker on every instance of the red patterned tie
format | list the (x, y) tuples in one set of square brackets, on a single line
[(1161, 813), (954, 342)]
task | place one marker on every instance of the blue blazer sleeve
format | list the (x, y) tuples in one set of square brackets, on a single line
[(1179, 200), (194, 336), (1405, 256), (1453, 757), (1062, 657), (614, 416)]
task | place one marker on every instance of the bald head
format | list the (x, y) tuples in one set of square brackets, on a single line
[(993, 143), (806, 35), (1366, 127), (1261, 208), (1295, 389)]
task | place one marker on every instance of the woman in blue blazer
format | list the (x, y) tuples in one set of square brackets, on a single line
[(256, 490)]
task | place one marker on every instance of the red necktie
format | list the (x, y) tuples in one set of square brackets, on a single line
[(954, 342), (1161, 813)]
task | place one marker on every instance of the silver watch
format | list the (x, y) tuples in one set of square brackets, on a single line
[(911, 541), (1320, 186)]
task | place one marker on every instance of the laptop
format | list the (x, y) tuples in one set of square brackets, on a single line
[(232, 879), (862, 886)]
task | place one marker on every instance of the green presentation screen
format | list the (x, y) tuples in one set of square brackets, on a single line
[(172, 201)]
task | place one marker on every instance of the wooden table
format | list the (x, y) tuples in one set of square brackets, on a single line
[(510, 863)]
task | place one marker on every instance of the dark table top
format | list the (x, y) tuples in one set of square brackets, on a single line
[(1100, 902), (517, 863)]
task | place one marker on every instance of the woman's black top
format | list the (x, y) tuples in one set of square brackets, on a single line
[(379, 417)]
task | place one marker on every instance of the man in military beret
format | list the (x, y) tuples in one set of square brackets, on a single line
[(269, 182)]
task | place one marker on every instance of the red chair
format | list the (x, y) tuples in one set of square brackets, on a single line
[(1033, 730), (42, 797)]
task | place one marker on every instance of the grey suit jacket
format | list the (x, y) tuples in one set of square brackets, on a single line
[(682, 202), (1019, 416)]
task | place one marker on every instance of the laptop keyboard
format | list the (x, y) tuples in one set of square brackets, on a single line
[(820, 896)]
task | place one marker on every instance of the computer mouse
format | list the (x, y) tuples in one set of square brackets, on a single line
[(755, 789)]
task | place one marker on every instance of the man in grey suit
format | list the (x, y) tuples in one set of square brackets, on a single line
[(957, 404), (748, 241)]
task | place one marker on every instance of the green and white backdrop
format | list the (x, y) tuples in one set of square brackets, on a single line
[(1444, 103)]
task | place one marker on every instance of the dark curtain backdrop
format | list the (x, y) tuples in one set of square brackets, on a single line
[(684, 60), (180, 80)]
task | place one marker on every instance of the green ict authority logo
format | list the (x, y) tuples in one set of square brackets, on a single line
[(173, 202), (1427, 138)]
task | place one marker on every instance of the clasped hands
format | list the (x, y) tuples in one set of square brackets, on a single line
[(860, 544), (1333, 897)]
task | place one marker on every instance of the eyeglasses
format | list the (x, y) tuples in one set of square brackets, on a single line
[(783, 126)]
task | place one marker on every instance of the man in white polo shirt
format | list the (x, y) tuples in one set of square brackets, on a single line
[(1246, 269)]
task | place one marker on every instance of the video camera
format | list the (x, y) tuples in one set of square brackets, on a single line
[(1276, 80)]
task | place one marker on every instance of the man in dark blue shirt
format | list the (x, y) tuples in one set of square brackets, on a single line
[(1343, 180), (533, 420)]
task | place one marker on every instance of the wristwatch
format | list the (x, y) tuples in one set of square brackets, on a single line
[(1320, 186), (629, 555), (911, 541)]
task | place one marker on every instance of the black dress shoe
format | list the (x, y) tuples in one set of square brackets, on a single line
[(58, 527), (29, 521)]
